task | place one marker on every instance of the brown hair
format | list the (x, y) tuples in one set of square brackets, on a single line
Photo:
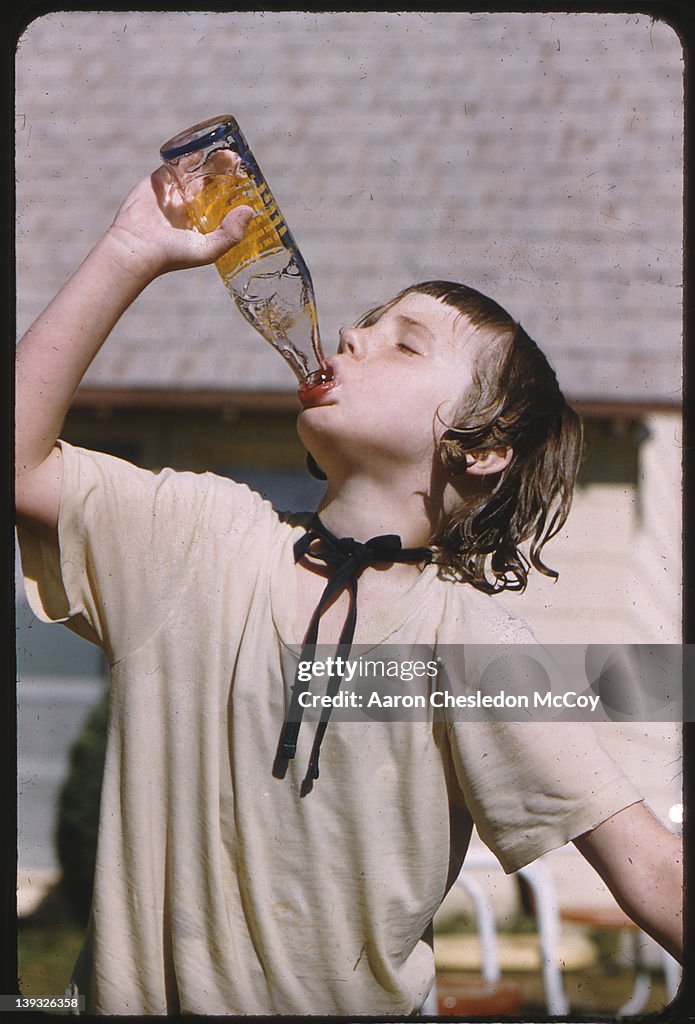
[(515, 402)]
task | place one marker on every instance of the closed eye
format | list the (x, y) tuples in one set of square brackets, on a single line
[(403, 347)]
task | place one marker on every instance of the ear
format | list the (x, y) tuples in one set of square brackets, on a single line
[(486, 461)]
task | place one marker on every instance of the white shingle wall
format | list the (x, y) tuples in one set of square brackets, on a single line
[(619, 557), (537, 157)]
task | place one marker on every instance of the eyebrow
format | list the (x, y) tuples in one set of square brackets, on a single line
[(404, 318)]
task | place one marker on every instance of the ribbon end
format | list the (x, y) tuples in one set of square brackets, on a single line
[(288, 740), (310, 777)]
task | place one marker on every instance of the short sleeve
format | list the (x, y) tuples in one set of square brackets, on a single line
[(531, 787), (126, 538)]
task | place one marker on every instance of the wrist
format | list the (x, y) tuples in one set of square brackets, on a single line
[(127, 258)]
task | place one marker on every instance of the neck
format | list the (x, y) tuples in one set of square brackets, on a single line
[(362, 508)]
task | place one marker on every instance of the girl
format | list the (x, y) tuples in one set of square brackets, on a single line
[(233, 874)]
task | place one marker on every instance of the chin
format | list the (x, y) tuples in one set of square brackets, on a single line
[(316, 421)]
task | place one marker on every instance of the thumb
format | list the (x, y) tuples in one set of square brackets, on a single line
[(229, 233)]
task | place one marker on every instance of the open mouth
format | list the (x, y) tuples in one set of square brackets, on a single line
[(315, 386)]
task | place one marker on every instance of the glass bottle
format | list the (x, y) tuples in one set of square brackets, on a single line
[(265, 273)]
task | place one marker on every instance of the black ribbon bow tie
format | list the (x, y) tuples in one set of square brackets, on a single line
[(346, 558)]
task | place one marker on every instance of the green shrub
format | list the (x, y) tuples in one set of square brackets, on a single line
[(78, 813)]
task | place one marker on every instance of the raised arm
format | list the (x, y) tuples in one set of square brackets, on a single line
[(151, 235), (641, 862)]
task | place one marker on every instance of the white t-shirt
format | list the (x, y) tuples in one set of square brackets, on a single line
[(219, 888)]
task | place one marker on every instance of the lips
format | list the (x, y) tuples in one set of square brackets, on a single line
[(316, 386)]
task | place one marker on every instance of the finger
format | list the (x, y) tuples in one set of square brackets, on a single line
[(169, 198)]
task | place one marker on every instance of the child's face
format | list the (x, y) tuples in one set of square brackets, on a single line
[(391, 381)]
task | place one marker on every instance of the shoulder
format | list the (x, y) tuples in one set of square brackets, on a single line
[(104, 487), (235, 508), (472, 616)]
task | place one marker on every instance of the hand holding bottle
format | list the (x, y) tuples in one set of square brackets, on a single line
[(155, 232)]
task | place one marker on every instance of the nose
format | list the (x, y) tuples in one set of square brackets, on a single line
[(351, 341)]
